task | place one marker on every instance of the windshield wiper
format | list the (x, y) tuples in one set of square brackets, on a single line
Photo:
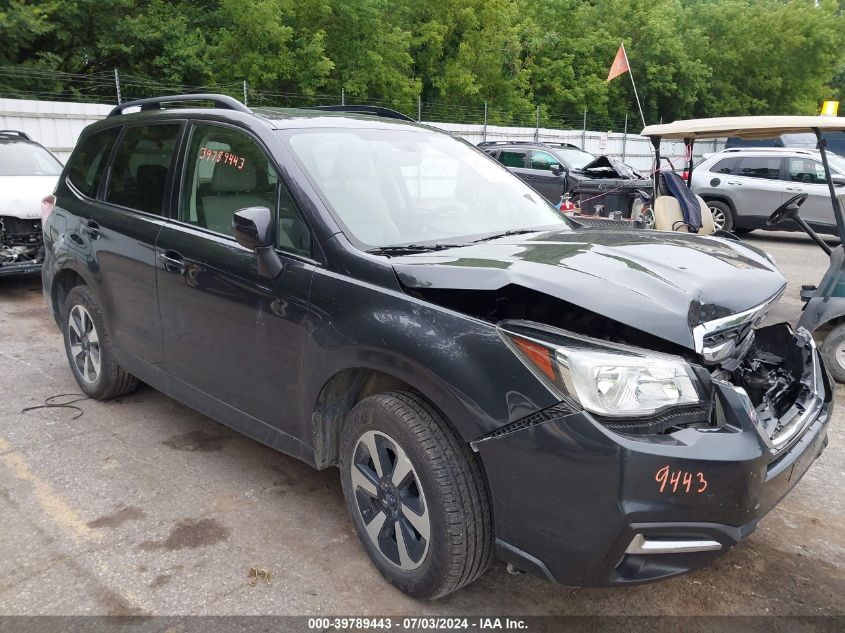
[(505, 234), (405, 249)]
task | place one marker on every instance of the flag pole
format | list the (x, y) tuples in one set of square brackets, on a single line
[(630, 72)]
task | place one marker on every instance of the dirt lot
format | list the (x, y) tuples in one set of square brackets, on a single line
[(141, 506)]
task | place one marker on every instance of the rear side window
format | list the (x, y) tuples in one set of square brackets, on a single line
[(85, 168), (759, 167), (511, 158), (141, 165), (725, 166)]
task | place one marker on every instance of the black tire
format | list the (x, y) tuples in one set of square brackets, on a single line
[(451, 483), (833, 352), (718, 207), (111, 380)]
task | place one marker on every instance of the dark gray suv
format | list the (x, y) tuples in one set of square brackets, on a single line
[(365, 292)]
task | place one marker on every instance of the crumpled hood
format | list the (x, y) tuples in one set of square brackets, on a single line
[(661, 283), (20, 196)]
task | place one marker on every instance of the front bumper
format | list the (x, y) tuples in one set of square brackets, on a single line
[(573, 499), (20, 268)]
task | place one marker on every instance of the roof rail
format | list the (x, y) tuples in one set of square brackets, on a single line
[(220, 101), (14, 133), (540, 143), (386, 113)]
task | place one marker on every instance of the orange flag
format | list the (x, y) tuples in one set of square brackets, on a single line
[(620, 64)]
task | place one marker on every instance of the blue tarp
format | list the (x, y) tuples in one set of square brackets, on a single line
[(689, 203)]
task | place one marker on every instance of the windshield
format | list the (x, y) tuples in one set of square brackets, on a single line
[(575, 158), (26, 159), (391, 187)]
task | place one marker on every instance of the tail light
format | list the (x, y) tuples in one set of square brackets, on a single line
[(47, 205)]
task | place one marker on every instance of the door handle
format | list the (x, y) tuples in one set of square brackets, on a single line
[(800, 189), (735, 182), (173, 262), (92, 229)]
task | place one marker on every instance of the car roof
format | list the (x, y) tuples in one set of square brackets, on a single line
[(771, 150), (748, 127)]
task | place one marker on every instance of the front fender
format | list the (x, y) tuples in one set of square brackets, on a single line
[(458, 362)]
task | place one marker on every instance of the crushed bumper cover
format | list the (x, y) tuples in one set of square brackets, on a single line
[(581, 505)]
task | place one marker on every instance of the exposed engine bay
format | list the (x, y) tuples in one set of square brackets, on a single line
[(20, 241)]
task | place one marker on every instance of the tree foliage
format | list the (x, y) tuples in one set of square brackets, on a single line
[(689, 57)]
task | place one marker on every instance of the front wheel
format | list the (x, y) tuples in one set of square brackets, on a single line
[(416, 495), (833, 352)]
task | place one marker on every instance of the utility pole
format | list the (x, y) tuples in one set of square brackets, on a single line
[(117, 86), (245, 92), (537, 126), (625, 137), (584, 132)]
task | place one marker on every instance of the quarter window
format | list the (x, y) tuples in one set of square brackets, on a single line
[(139, 171), (85, 167), (759, 167), (226, 171), (511, 158), (543, 160)]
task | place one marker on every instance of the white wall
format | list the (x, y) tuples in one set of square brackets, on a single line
[(57, 125), (54, 124)]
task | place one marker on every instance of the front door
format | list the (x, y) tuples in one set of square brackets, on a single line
[(806, 175), (542, 178), (231, 337)]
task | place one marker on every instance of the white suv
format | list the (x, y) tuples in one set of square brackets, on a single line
[(742, 186), (28, 173)]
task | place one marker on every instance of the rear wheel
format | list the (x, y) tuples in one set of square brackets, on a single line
[(88, 348), (416, 495), (833, 352), (723, 215)]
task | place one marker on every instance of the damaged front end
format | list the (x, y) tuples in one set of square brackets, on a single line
[(21, 245)]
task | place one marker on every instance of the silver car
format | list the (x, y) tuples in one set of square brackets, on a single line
[(742, 186)]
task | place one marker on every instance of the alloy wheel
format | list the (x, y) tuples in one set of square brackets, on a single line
[(718, 218), (84, 343), (840, 355), (390, 500)]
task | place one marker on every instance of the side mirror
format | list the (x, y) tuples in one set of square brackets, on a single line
[(557, 170), (837, 180), (253, 228)]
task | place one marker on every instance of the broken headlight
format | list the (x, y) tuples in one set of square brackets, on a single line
[(607, 379)]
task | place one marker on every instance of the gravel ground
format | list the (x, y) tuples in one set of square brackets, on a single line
[(142, 506)]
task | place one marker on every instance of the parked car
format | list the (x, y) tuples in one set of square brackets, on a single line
[(557, 168), (374, 294), (742, 186), (28, 173)]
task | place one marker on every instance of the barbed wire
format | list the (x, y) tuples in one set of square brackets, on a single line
[(32, 82)]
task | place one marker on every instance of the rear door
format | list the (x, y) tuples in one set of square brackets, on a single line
[(755, 185), (233, 338), (806, 175), (118, 234)]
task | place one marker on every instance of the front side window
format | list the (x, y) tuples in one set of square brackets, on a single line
[(226, 170), (409, 187), (19, 158), (86, 165), (512, 158), (767, 167), (807, 171), (543, 160), (138, 174)]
